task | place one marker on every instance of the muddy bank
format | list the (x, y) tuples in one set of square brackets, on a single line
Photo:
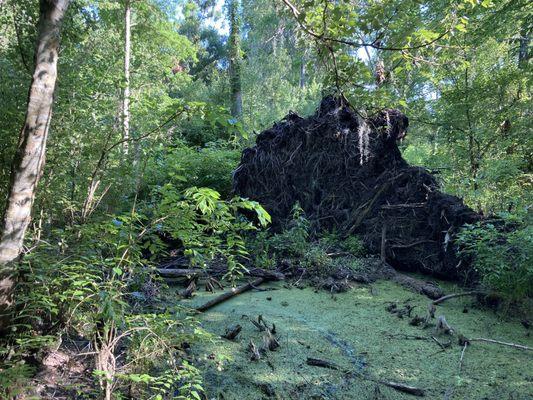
[(354, 330)]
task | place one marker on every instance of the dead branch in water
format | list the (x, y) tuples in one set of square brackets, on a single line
[(443, 326), (232, 332), (454, 295), (317, 362), (252, 348), (189, 290), (514, 345), (462, 356)]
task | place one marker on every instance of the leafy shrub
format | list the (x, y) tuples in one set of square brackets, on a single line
[(292, 242), (332, 241), (78, 283), (207, 226), (296, 243), (316, 260), (502, 255), (185, 167), (353, 245)]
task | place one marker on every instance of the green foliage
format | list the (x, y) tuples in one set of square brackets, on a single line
[(209, 227), (79, 284), (155, 369), (184, 167), (296, 244), (467, 94), (14, 377), (352, 245), (292, 242), (316, 260), (502, 255)]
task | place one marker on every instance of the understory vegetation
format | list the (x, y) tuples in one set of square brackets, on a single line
[(154, 103)]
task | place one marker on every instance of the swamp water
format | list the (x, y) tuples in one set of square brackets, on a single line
[(354, 331)]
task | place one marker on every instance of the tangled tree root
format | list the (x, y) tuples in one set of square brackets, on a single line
[(347, 174)]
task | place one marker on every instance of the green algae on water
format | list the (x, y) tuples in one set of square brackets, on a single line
[(354, 331)]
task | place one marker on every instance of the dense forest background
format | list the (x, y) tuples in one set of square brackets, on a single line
[(155, 100), (466, 95)]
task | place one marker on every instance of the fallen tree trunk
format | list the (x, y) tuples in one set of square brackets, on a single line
[(228, 295), (192, 272), (426, 288), (180, 272), (454, 295)]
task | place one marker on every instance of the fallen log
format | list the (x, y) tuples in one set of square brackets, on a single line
[(430, 290), (179, 272), (228, 295), (190, 272), (267, 274), (317, 362)]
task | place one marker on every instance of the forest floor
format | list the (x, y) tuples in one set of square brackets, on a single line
[(355, 332)]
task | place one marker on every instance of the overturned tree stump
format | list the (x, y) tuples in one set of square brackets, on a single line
[(347, 173)]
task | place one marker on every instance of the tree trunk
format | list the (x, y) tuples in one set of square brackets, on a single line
[(523, 50), (303, 76), (127, 58), (29, 158), (235, 59)]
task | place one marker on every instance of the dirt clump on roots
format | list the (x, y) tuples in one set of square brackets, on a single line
[(347, 173)]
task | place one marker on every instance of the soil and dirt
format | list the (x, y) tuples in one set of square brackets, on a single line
[(346, 172)]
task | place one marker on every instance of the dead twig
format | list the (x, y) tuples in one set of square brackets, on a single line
[(441, 345), (462, 356), (514, 345)]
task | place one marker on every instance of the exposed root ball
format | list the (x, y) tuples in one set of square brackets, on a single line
[(347, 173)]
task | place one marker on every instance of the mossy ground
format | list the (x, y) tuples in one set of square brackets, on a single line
[(354, 330)]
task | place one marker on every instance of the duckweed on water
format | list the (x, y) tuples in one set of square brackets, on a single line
[(354, 331)]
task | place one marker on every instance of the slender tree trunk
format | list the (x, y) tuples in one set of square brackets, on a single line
[(523, 50), (303, 74), (235, 59), (30, 155), (127, 58)]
